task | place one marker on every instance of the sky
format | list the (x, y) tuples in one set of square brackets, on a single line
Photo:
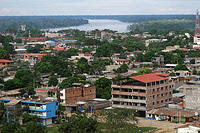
[(97, 7)]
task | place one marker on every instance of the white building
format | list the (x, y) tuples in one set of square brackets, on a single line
[(194, 128)]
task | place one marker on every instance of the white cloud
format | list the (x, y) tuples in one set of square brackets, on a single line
[(92, 7)]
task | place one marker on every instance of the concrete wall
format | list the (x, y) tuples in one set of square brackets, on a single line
[(192, 99)]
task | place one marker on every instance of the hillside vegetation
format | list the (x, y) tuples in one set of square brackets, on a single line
[(163, 25)]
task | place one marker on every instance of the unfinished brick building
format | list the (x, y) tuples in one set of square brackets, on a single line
[(142, 93), (76, 94)]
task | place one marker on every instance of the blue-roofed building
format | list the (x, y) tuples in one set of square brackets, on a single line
[(44, 109)]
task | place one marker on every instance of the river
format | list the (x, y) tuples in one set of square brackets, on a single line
[(99, 24)]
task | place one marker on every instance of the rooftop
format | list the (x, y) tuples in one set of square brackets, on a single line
[(5, 61), (172, 112), (148, 78)]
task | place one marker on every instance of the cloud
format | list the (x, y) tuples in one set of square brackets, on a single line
[(93, 7)]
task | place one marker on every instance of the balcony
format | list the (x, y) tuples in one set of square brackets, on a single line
[(37, 108), (129, 107), (130, 87), (129, 100), (129, 93)]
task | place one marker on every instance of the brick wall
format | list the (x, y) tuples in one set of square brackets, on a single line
[(80, 94)]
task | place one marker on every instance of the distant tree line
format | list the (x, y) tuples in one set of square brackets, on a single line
[(163, 26), (12, 24)]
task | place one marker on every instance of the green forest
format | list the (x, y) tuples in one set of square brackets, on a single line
[(38, 22), (165, 25)]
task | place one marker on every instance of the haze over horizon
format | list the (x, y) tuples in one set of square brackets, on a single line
[(95, 7)]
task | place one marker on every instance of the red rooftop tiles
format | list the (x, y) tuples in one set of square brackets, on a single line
[(147, 78), (5, 61)]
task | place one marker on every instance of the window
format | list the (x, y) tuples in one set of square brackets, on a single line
[(82, 93)]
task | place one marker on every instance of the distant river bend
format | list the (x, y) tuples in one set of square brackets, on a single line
[(100, 24)]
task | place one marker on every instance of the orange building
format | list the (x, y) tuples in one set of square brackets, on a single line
[(30, 56), (33, 58)]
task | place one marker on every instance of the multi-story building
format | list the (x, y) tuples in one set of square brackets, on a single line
[(76, 94), (44, 109), (143, 92), (191, 90)]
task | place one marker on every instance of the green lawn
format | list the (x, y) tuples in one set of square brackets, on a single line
[(53, 129), (128, 129)]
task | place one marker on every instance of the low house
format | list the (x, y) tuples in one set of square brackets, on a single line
[(87, 56), (90, 106), (172, 115), (121, 61), (4, 62)]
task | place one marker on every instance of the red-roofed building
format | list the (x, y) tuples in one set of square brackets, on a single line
[(148, 78), (4, 62), (121, 61), (143, 92), (138, 51), (60, 49)]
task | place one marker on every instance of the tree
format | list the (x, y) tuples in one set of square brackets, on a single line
[(104, 50), (25, 76), (68, 53), (192, 61), (4, 54), (67, 83), (98, 66), (10, 127), (176, 59), (35, 49), (9, 47), (12, 84), (180, 67), (103, 88), (2, 112), (53, 81), (194, 72), (79, 123), (142, 71), (44, 67), (83, 66), (122, 69), (118, 118)]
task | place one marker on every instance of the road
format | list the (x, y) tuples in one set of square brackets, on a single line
[(162, 126)]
